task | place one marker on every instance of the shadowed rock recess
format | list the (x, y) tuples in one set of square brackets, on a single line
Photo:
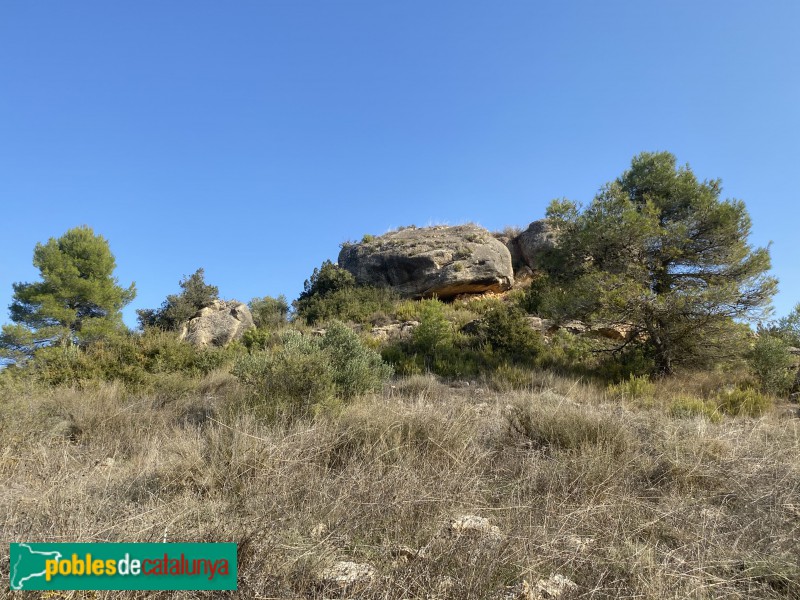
[(440, 261)]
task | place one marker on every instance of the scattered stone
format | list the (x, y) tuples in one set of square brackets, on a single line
[(218, 324), (319, 531), (406, 553), (394, 331), (611, 332), (539, 324), (440, 261), (580, 544), (346, 575), (470, 525), (553, 587)]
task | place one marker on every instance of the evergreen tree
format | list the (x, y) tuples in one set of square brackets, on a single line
[(77, 300), (179, 308), (659, 251)]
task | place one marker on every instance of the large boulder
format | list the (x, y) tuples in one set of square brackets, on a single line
[(534, 242), (218, 324), (438, 261)]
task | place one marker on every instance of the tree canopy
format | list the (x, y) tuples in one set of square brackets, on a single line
[(660, 253), (78, 298), (179, 308)]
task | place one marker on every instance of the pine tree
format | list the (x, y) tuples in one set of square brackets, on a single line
[(77, 300), (659, 251)]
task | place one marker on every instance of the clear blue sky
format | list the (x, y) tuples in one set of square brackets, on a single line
[(251, 138)]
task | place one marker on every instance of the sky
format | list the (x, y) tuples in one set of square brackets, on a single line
[(252, 138)]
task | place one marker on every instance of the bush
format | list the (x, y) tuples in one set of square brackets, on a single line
[(510, 335), (326, 279), (434, 334), (295, 379), (304, 374), (269, 312), (691, 406), (355, 304), (179, 308), (746, 402), (131, 358), (634, 388), (357, 369), (772, 364)]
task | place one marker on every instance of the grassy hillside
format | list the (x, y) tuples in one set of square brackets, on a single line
[(630, 491)]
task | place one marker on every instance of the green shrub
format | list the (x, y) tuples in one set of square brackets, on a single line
[(746, 402), (568, 352), (295, 379), (131, 358), (772, 364), (508, 377), (434, 333), (304, 374), (634, 388), (691, 406), (269, 312), (179, 308), (357, 369), (260, 339), (510, 335), (326, 279), (354, 304)]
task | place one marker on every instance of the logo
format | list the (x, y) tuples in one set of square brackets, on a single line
[(89, 566)]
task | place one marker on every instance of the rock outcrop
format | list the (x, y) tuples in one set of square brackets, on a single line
[(438, 261), (218, 324), (531, 244)]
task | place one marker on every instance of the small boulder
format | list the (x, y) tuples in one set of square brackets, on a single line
[(346, 575), (440, 261), (218, 324), (471, 526)]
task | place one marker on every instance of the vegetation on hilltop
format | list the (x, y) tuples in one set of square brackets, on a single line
[(373, 437)]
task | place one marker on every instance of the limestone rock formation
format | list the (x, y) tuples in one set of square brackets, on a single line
[(218, 324), (438, 261), (529, 245), (394, 331)]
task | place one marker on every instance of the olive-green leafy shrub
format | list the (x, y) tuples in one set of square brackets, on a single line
[(131, 358), (304, 374), (269, 312), (772, 364), (179, 308), (355, 304), (507, 331)]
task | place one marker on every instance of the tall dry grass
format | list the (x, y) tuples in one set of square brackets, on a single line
[(616, 494)]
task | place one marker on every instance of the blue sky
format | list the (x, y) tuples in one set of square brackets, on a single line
[(252, 138)]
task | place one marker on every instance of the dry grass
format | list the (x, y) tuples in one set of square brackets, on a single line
[(620, 497)]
